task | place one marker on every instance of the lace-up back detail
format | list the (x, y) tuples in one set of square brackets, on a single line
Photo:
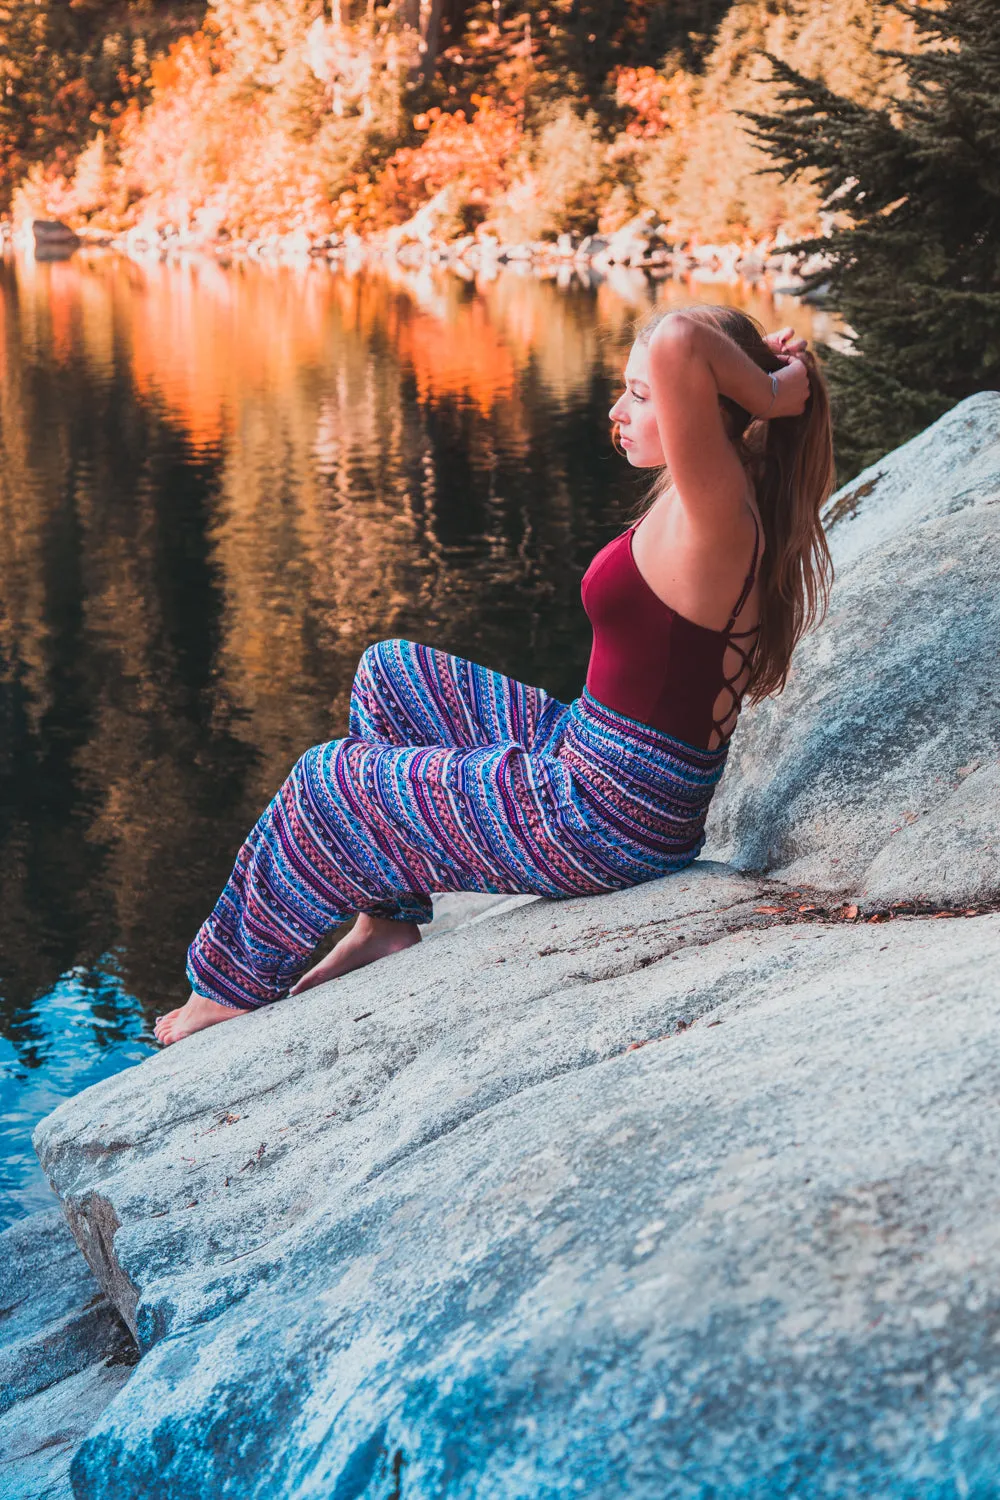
[(652, 664), (735, 686)]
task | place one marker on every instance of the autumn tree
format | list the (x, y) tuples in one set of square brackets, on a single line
[(570, 48), (914, 265), (69, 70)]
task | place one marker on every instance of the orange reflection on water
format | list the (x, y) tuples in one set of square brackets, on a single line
[(203, 335), (199, 335), (463, 356)]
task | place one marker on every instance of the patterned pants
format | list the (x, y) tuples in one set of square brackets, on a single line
[(451, 778)]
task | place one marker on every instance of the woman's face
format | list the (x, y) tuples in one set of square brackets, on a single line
[(633, 411)]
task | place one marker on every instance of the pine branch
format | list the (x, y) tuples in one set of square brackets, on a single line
[(830, 135), (915, 269)]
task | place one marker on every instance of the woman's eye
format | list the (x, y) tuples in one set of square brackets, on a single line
[(637, 398)]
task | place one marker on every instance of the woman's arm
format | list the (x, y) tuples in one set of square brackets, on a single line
[(691, 364)]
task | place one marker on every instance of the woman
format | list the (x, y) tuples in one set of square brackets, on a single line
[(456, 778)]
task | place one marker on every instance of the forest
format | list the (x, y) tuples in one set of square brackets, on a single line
[(864, 132), (524, 118)]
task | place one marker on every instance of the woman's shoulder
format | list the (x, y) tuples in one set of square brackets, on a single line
[(698, 570)]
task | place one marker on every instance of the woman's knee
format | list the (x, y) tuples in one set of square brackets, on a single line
[(380, 662), (310, 764), (386, 678)]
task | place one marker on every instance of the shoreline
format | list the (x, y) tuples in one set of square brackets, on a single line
[(641, 245)]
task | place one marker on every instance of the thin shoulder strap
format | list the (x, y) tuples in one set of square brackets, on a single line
[(751, 576)]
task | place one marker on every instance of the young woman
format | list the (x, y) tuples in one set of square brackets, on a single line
[(456, 778)]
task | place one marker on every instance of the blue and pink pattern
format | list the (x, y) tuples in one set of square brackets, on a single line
[(451, 778)]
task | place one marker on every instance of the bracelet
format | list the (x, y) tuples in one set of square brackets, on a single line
[(773, 375)]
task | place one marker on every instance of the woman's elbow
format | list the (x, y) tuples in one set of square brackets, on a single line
[(675, 337)]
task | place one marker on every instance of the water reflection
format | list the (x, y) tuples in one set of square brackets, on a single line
[(218, 486)]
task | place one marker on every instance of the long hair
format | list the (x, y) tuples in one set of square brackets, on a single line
[(790, 460)]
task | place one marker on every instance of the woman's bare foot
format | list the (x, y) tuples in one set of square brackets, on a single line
[(194, 1016), (370, 938)]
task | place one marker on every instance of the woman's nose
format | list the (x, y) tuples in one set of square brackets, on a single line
[(614, 414)]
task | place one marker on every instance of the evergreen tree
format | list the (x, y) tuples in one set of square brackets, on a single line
[(915, 265)]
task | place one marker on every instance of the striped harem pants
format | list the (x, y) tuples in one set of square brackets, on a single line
[(451, 778)]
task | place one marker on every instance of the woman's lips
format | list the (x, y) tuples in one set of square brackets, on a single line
[(623, 438)]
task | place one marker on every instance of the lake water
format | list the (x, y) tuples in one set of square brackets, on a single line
[(217, 486)]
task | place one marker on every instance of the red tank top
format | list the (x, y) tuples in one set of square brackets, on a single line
[(651, 664)]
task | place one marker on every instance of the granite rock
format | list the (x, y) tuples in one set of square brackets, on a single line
[(854, 778), (174, 1177), (952, 853), (660, 1194), (457, 908), (65, 1354)]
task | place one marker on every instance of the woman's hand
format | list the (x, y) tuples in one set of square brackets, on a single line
[(793, 390), (784, 342), (793, 380)]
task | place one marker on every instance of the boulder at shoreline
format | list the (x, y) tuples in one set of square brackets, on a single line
[(876, 771), (65, 1354), (677, 1193)]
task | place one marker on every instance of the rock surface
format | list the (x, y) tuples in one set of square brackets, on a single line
[(685, 1192), (65, 1354), (457, 908), (474, 1245), (859, 777), (238, 1134)]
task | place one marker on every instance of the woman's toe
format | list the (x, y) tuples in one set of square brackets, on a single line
[(163, 1028)]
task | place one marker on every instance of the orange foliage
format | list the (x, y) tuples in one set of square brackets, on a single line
[(473, 156), (658, 102), (205, 154), (186, 61), (275, 121)]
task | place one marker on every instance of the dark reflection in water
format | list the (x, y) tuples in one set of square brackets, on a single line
[(217, 487)]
